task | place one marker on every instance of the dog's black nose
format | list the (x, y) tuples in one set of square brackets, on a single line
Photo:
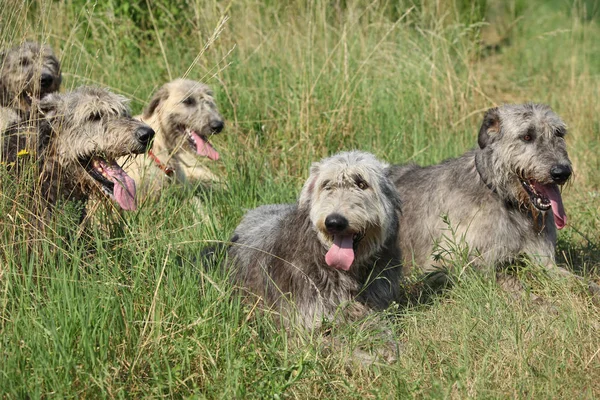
[(336, 223), (216, 126), (144, 134), (46, 81), (560, 173)]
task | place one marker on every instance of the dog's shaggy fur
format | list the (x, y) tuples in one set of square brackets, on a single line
[(184, 115), (501, 199), (27, 73), (76, 140), (333, 254)]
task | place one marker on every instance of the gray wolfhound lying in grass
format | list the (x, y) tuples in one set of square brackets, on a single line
[(333, 254), (27, 73), (503, 198), (76, 141), (184, 114)]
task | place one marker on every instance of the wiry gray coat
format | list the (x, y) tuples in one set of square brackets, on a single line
[(481, 195), (280, 259), (276, 254), (73, 128)]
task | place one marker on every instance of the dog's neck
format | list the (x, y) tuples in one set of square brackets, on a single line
[(480, 161), (160, 154), (165, 168), (483, 166)]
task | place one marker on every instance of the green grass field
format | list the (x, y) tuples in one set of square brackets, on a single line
[(124, 310)]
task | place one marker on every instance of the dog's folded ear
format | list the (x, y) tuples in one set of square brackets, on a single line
[(489, 127), (307, 191), (161, 95)]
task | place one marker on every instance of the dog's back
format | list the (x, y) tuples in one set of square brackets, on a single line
[(434, 197), (253, 243)]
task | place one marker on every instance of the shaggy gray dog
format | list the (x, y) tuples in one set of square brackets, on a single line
[(76, 141), (334, 253), (27, 73), (501, 199), (184, 115)]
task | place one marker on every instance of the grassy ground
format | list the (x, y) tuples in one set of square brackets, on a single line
[(124, 311)]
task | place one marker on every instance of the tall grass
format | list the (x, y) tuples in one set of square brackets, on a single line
[(123, 309)]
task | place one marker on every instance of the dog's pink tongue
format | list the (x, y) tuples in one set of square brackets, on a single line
[(552, 192), (124, 189), (204, 148), (341, 254)]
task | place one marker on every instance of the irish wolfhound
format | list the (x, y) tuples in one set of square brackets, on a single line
[(335, 250), (184, 114), (77, 139), (27, 73), (502, 199)]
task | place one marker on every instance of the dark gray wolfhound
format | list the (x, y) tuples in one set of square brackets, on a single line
[(75, 141), (332, 255), (502, 199), (28, 72)]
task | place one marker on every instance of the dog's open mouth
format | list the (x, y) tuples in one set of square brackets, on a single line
[(201, 144), (113, 180), (341, 253), (544, 197)]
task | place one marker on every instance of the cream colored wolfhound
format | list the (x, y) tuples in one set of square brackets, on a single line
[(184, 115)]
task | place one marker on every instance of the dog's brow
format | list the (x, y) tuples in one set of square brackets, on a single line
[(357, 178)]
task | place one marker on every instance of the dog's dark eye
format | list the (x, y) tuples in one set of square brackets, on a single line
[(94, 117), (189, 101), (362, 185), (325, 185), (560, 132), (360, 182), (529, 135)]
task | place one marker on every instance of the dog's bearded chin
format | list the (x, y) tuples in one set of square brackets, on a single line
[(119, 186), (546, 196), (202, 145)]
